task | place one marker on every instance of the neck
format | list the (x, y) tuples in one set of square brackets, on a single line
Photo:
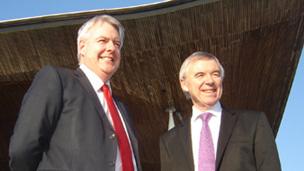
[(204, 108)]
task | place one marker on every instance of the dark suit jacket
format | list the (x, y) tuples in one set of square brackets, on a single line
[(246, 143), (63, 127)]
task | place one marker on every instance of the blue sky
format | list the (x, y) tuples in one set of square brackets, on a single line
[(289, 139)]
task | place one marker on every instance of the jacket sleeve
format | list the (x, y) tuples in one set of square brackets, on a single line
[(36, 121), (265, 149)]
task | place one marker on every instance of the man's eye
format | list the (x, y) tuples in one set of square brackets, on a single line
[(199, 75), (217, 74), (117, 44), (102, 40)]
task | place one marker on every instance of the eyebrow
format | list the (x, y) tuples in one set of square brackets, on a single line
[(105, 37)]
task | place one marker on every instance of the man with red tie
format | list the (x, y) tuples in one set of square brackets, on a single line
[(215, 138), (69, 120)]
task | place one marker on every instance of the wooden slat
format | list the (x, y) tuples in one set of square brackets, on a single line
[(259, 43)]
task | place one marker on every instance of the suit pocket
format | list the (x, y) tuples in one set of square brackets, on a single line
[(240, 154), (241, 138)]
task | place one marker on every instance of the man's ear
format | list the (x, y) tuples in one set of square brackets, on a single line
[(184, 85), (82, 47)]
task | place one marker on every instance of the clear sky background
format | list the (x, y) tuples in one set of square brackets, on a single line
[(290, 140)]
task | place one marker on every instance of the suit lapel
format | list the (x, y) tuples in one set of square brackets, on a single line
[(130, 129), (126, 120), (185, 139), (101, 113), (227, 124), (92, 95), (124, 114)]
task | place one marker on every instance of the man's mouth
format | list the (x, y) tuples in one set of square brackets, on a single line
[(209, 90), (107, 58)]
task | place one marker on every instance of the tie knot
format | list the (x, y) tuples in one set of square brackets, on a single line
[(105, 88), (206, 116)]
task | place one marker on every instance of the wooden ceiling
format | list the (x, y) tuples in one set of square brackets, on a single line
[(258, 41)]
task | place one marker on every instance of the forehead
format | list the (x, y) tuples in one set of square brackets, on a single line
[(203, 65), (104, 29)]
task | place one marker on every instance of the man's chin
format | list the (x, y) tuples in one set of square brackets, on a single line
[(109, 70), (211, 102)]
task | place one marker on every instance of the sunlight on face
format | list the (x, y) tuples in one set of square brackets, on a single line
[(203, 82), (100, 51)]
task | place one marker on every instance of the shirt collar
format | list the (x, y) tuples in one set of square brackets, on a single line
[(216, 111), (94, 79)]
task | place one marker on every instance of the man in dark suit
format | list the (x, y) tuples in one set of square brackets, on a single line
[(68, 119), (216, 138)]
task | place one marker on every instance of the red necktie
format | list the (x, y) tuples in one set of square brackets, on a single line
[(123, 142)]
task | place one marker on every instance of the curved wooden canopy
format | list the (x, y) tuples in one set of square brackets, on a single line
[(259, 43)]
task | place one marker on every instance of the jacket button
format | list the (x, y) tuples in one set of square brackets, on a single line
[(112, 136), (112, 163)]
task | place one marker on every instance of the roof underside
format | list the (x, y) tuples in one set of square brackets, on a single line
[(258, 42)]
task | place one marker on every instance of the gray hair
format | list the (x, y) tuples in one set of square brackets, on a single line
[(199, 55), (85, 28)]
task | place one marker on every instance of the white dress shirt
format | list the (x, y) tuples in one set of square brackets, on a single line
[(196, 126), (97, 83)]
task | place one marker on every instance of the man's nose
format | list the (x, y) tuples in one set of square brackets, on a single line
[(209, 79), (110, 45)]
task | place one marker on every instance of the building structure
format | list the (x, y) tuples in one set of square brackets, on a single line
[(259, 43)]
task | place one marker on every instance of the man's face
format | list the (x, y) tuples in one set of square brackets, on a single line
[(204, 83), (100, 50)]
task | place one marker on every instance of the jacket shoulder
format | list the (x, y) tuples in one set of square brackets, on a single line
[(50, 68), (244, 113)]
